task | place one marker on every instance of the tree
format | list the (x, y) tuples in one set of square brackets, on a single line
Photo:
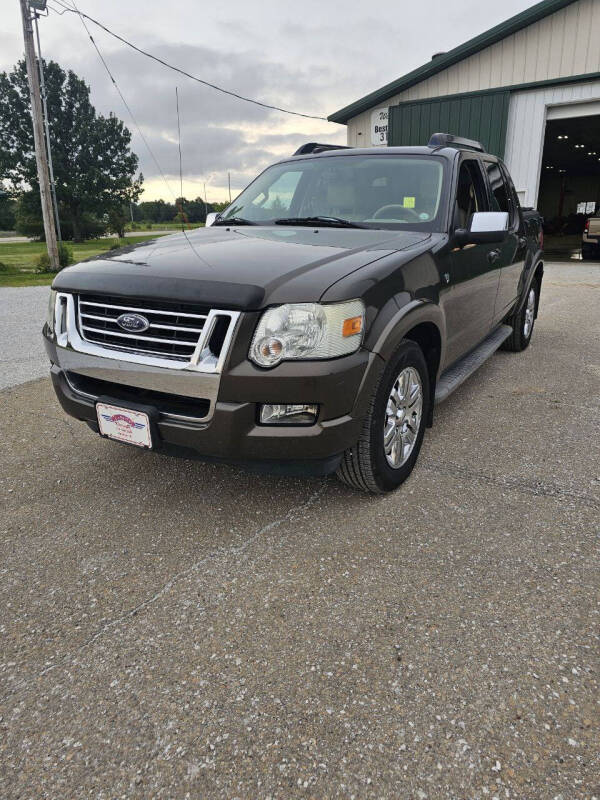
[(94, 167), (8, 207)]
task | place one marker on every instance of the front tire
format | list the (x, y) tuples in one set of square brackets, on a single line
[(523, 322), (394, 426)]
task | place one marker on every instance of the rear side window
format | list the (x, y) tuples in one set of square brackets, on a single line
[(470, 193), (514, 197), (500, 198)]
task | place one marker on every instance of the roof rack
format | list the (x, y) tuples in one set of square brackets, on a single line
[(449, 140), (315, 147)]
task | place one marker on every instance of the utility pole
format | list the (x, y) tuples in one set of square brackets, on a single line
[(229, 184), (38, 137), (47, 126)]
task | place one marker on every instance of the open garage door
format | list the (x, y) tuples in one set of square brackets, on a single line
[(569, 191)]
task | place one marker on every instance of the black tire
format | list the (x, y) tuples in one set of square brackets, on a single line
[(521, 334), (365, 466), (589, 253)]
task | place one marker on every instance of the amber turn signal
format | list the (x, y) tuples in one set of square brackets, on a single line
[(352, 326)]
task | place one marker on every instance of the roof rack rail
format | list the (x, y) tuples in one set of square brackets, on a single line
[(315, 147), (449, 140)]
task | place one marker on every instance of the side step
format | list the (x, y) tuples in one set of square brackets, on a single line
[(463, 369)]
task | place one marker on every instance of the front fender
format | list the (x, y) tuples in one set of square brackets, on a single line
[(397, 320)]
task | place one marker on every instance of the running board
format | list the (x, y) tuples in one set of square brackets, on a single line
[(463, 369)]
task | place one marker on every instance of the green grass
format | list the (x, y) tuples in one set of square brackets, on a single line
[(20, 258), (25, 279), (164, 226)]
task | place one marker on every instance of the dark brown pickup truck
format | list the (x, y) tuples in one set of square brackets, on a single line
[(314, 324)]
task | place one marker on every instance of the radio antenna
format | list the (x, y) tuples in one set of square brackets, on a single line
[(181, 212)]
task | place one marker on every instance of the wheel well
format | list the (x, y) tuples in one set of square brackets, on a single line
[(428, 337)]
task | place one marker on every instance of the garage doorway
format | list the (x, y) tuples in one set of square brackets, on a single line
[(569, 192)]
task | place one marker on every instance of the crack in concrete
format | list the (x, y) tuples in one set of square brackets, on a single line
[(536, 488), (142, 606)]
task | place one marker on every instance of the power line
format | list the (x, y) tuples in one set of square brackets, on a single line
[(121, 95), (187, 74), (126, 104)]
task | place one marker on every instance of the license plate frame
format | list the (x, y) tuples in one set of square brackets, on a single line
[(125, 424)]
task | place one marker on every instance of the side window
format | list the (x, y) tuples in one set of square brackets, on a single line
[(470, 193), (500, 198), (514, 197)]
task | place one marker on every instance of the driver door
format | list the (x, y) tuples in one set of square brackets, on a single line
[(474, 273)]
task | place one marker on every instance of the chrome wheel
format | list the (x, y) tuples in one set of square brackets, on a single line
[(403, 417), (529, 314)]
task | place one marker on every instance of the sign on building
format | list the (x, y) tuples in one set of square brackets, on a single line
[(379, 126)]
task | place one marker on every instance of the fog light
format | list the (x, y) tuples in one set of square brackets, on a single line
[(296, 414)]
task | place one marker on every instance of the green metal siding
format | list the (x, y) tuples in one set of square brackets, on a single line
[(483, 117)]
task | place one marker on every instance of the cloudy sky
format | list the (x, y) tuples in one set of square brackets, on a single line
[(315, 57)]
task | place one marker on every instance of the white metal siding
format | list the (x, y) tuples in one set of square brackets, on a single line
[(563, 44), (527, 124)]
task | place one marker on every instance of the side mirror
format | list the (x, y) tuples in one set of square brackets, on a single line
[(485, 227), (211, 219)]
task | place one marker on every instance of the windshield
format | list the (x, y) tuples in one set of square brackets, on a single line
[(378, 191)]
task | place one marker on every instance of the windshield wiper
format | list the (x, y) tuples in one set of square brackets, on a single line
[(331, 222), (234, 221)]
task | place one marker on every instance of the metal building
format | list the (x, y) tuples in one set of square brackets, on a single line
[(529, 89)]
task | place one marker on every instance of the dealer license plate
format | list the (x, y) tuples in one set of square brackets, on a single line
[(124, 425)]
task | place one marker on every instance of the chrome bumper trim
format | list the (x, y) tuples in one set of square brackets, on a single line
[(167, 415)]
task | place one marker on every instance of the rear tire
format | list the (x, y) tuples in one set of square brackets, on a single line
[(590, 253), (393, 429), (523, 321)]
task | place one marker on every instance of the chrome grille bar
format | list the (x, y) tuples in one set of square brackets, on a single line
[(137, 336), (141, 310), (152, 324)]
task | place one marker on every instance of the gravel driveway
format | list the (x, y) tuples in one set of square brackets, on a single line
[(22, 354), (173, 629)]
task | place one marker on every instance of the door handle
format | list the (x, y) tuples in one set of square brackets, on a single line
[(493, 256)]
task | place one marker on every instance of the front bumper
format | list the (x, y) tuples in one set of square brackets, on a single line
[(232, 432)]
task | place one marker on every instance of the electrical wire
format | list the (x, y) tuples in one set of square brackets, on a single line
[(183, 72), (131, 114), (121, 95)]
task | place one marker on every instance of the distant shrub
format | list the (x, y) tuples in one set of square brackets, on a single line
[(65, 257), (4, 267)]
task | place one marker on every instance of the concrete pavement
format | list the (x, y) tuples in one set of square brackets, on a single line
[(22, 315)]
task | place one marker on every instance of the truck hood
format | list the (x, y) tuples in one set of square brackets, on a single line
[(243, 268)]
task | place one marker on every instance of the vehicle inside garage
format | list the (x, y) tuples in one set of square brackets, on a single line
[(570, 176)]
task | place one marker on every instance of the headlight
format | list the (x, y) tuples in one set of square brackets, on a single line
[(307, 331), (51, 305)]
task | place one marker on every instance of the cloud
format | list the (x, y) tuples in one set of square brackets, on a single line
[(219, 134)]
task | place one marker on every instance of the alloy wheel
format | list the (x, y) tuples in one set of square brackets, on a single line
[(403, 417), (529, 314)]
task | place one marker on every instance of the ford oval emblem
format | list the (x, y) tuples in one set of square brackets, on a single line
[(134, 323)]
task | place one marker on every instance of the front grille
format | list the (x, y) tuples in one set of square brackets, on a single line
[(173, 332)]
